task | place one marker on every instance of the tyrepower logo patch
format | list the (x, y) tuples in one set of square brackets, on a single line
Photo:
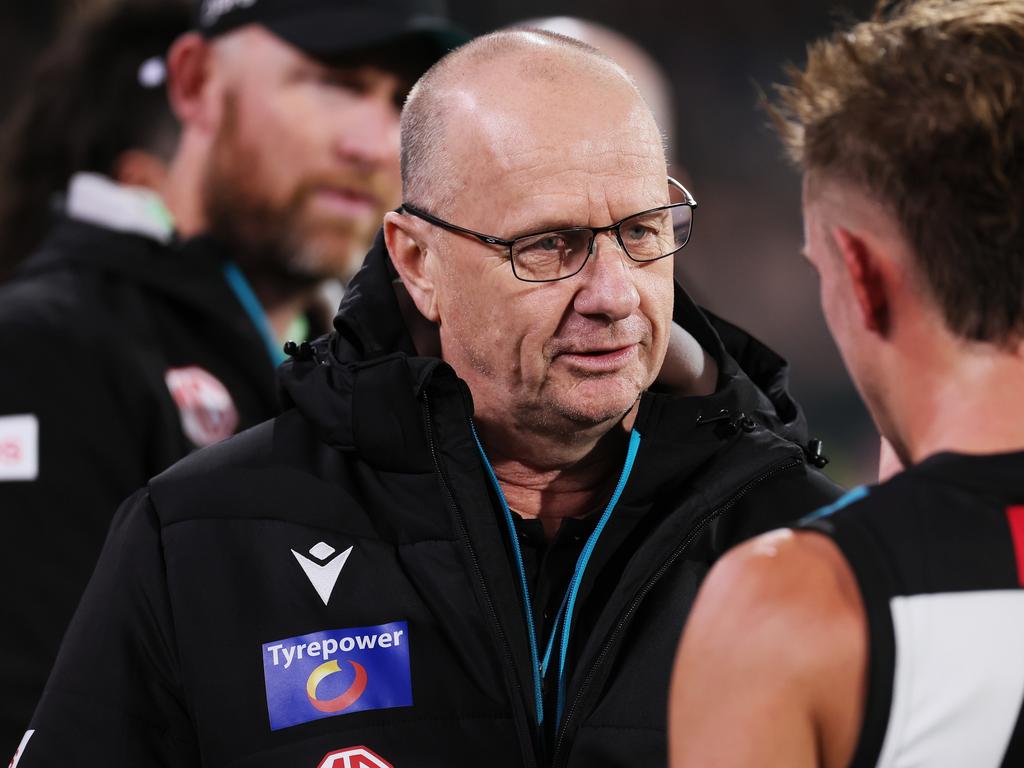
[(19, 447), (337, 672)]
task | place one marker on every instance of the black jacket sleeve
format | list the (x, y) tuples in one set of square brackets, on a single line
[(88, 458), (114, 697)]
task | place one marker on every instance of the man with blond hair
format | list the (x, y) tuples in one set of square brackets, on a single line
[(888, 629)]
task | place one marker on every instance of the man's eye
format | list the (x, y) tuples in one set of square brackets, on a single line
[(342, 81), (551, 243), (637, 232)]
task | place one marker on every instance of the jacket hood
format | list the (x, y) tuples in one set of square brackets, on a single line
[(372, 352)]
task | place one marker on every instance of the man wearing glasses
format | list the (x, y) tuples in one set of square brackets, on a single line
[(478, 556)]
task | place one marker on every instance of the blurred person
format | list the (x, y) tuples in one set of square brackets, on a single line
[(476, 558), (888, 629), (95, 104), (90, 138), (126, 345)]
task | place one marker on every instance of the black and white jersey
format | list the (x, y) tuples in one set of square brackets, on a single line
[(938, 553)]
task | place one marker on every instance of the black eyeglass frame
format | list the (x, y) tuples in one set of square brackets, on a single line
[(688, 201)]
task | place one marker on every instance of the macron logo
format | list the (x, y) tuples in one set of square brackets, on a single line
[(323, 572)]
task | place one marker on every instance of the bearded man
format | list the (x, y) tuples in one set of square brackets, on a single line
[(126, 345)]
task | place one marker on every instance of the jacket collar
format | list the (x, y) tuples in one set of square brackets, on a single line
[(369, 366), (99, 200)]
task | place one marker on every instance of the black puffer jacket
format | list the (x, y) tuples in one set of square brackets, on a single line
[(120, 356), (334, 587)]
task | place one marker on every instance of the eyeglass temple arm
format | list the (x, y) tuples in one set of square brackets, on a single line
[(454, 227), (686, 193)]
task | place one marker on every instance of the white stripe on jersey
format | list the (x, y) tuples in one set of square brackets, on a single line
[(959, 681)]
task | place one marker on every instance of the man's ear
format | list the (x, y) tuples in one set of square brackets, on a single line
[(413, 261), (870, 280), (189, 66)]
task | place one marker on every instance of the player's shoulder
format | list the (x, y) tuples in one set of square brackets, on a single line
[(784, 598), (868, 507)]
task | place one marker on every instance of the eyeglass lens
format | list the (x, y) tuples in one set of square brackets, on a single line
[(645, 237)]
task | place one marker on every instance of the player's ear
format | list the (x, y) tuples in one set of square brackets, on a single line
[(869, 279), (414, 260)]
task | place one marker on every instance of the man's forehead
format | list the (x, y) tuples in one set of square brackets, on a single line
[(551, 133)]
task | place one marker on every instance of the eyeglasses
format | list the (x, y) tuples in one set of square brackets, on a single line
[(543, 257)]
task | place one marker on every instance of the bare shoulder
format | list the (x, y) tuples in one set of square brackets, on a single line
[(799, 579), (776, 646)]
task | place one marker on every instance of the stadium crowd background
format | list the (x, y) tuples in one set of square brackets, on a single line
[(744, 261)]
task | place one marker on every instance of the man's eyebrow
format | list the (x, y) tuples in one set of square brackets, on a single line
[(541, 225)]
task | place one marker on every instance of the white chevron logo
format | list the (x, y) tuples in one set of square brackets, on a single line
[(323, 575)]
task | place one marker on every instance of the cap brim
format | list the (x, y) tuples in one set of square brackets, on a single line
[(341, 33)]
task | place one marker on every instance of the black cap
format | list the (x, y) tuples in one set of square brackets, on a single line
[(327, 29)]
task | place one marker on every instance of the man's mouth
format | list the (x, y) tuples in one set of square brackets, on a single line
[(604, 359), (344, 202)]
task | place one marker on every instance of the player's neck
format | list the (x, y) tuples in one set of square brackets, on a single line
[(968, 402)]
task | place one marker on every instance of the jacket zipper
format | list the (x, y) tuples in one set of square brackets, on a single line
[(648, 586), (524, 738)]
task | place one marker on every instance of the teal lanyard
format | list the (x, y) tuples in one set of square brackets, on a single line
[(563, 620), (247, 298)]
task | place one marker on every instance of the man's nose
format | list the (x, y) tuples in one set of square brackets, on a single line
[(369, 133), (608, 288)]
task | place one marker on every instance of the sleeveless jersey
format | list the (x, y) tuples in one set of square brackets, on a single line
[(938, 554)]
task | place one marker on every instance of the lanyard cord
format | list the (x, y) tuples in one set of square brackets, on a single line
[(518, 554), (247, 298), (540, 667), (584, 559)]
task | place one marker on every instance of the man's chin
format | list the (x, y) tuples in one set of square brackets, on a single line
[(592, 405)]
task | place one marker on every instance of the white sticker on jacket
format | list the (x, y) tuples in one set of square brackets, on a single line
[(19, 447), (208, 414)]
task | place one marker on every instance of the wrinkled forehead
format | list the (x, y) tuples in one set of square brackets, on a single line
[(588, 134)]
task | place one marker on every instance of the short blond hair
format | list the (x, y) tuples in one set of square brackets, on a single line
[(922, 107)]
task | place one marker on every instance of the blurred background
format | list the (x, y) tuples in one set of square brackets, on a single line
[(744, 260)]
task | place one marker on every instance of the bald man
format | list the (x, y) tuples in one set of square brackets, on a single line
[(474, 537)]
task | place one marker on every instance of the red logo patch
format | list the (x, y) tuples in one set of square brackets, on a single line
[(208, 413), (354, 757)]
